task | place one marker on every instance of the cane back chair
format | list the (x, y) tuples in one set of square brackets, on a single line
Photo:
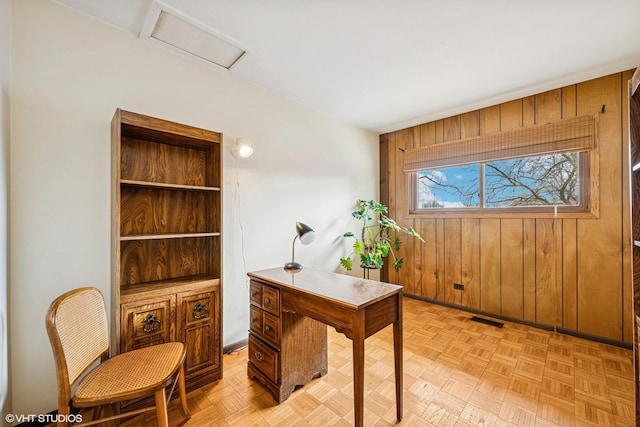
[(78, 331)]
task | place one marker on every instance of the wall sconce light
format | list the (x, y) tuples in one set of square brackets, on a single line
[(242, 148), (306, 235)]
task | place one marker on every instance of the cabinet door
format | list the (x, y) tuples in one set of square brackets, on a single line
[(147, 322), (198, 320)]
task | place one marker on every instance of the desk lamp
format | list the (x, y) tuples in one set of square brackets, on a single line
[(306, 235)]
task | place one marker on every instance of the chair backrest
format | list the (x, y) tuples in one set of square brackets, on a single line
[(78, 332)]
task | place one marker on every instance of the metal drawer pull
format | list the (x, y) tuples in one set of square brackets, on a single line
[(267, 328), (200, 308), (259, 356), (267, 300), (254, 294), (150, 323)]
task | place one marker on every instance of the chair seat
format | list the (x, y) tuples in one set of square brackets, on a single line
[(132, 374)]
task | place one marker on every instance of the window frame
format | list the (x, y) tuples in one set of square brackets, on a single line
[(584, 207), (576, 134)]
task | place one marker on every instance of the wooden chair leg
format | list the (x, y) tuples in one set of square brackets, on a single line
[(62, 421), (97, 412), (161, 408), (183, 393)]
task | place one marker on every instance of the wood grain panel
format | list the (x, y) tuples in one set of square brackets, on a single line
[(511, 115), (569, 102), (573, 273), (600, 263), (149, 322), (469, 124), (409, 275), (153, 129), (427, 229), (529, 255), (385, 172), (439, 133), (452, 260), (511, 235), (155, 211), (489, 119), (451, 128), (546, 303), (470, 238), (429, 265), (490, 265), (198, 313), (568, 262), (440, 269), (529, 111), (167, 163), (427, 134), (529, 269), (405, 276), (548, 106), (452, 249), (569, 273), (387, 274), (511, 272), (489, 122), (415, 257), (191, 259)]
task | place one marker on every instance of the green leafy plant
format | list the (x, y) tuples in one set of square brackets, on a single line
[(379, 237)]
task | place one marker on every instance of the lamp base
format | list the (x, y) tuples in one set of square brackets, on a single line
[(292, 266)]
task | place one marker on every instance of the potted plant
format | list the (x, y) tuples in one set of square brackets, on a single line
[(379, 237)]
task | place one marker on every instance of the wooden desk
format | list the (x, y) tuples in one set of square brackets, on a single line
[(288, 339)]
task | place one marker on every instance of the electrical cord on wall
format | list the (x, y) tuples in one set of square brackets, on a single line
[(244, 261)]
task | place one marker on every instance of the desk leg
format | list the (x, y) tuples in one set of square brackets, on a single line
[(397, 354), (358, 374)]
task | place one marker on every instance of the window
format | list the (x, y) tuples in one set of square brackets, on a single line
[(547, 182), (545, 169), (455, 187)]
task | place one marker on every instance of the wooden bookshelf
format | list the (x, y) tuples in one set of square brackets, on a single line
[(166, 240)]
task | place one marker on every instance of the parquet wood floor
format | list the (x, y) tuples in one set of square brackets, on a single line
[(456, 373)]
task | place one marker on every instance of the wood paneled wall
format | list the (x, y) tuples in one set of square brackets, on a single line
[(574, 274)]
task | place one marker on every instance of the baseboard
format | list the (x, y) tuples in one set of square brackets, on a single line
[(536, 325), (235, 346)]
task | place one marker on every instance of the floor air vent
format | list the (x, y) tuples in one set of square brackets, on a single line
[(487, 321)]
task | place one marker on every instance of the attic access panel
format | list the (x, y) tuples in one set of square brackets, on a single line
[(183, 35)]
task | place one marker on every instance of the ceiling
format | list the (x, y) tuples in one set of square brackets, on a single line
[(384, 65)]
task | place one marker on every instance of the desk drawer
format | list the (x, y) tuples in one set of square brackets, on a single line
[(255, 320), (271, 299), (264, 325), (264, 358), (265, 296), (271, 328), (255, 293)]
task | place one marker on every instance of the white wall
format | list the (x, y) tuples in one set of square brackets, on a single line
[(70, 73), (5, 55)]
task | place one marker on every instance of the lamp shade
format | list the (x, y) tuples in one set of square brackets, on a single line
[(305, 233)]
